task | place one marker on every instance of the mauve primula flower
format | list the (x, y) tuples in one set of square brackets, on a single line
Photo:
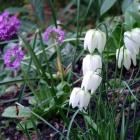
[(13, 57), (9, 26), (55, 33)]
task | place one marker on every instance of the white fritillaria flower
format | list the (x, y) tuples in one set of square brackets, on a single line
[(92, 63), (94, 39), (91, 81), (79, 98), (124, 57), (132, 40)]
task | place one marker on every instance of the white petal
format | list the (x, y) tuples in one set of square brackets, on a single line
[(135, 33), (119, 56), (74, 97), (93, 44), (130, 44), (86, 64), (101, 41), (96, 63), (92, 63), (84, 100), (88, 41), (91, 81), (133, 57), (86, 81), (96, 82), (127, 60)]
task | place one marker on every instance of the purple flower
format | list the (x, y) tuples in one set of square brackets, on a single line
[(13, 57), (55, 33), (9, 26)]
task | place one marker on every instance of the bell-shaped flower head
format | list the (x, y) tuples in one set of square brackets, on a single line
[(79, 98), (92, 63), (91, 81), (94, 39), (124, 57)]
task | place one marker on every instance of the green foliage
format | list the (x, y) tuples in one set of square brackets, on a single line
[(131, 15)]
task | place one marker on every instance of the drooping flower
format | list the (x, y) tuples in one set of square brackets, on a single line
[(94, 39), (124, 57), (79, 98), (13, 57), (132, 40), (55, 33), (92, 63), (91, 81), (9, 26)]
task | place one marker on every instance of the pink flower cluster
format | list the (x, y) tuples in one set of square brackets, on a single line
[(9, 26), (13, 57), (55, 33)]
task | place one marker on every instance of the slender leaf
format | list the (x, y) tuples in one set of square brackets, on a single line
[(107, 4)]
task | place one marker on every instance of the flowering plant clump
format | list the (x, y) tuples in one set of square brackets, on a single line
[(55, 33), (13, 57), (9, 26), (92, 65)]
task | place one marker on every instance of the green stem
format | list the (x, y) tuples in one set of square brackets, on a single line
[(59, 60), (48, 65)]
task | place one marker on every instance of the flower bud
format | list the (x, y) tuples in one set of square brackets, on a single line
[(95, 39), (92, 63)]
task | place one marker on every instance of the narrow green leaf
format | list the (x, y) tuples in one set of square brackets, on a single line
[(126, 4), (7, 82), (107, 4), (71, 122), (122, 134), (53, 12), (137, 133)]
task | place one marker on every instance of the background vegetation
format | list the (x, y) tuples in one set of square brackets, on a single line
[(34, 102)]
